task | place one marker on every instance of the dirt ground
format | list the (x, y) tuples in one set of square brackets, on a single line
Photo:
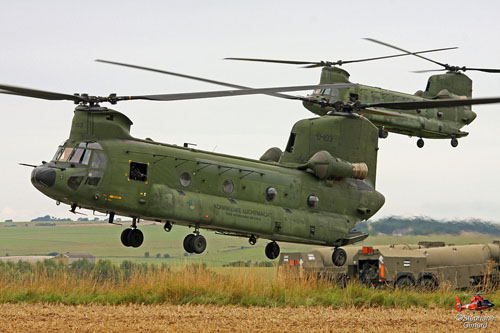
[(199, 318)]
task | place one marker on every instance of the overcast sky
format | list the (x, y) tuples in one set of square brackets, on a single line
[(51, 45)]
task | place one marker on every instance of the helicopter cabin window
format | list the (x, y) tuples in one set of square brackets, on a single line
[(185, 179), (138, 171), (228, 186), (271, 193), (312, 201), (291, 142)]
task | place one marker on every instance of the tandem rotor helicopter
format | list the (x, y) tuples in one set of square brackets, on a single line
[(436, 113), (426, 118), (313, 192)]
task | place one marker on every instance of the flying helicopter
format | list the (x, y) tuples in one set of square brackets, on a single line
[(425, 118), (312, 193), (477, 303)]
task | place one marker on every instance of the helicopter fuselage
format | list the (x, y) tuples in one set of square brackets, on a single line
[(102, 168), (435, 123)]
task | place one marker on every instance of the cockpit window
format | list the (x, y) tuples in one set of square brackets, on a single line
[(63, 154), (76, 155), (94, 145), (99, 160), (317, 91)]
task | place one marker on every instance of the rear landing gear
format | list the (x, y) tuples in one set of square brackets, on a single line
[(272, 250), (420, 143), (194, 243), (339, 257), (383, 133), (132, 237), (454, 142)]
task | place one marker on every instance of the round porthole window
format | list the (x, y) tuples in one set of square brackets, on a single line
[(271, 193), (228, 186), (185, 179), (312, 201)]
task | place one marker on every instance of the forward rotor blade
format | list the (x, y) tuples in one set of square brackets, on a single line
[(487, 70), (226, 84), (426, 104), (28, 92), (429, 70), (225, 93), (406, 51), (291, 62)]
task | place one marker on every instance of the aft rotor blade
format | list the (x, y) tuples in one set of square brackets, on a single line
[(313, 64), (426, 104), (403, 50), (226, 84), (226, 93), (28, 92)]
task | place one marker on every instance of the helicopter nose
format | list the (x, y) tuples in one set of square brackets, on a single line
[(43, 176)]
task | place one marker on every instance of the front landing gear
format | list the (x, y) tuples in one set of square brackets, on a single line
[(195, 243), (339, 257), (272, 250), (420, 143), (132, 237), (454, 142)]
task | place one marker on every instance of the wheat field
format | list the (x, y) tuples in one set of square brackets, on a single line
[(210, 318)]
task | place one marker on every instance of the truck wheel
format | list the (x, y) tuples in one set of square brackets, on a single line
[(339, 257), (428, 283), (404, 282)]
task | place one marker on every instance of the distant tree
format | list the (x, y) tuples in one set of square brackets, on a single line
[(52, 254), (146, 254), (158, 255), (166, 256), (9, 220), (83, 219)]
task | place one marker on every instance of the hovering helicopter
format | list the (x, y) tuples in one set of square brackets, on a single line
[(432, 115), (312, 193), (478, 303), (435, 113)]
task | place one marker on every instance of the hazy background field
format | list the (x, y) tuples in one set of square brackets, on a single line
[(103, 241)]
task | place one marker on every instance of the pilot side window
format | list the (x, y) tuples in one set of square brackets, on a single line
[(138, 171)]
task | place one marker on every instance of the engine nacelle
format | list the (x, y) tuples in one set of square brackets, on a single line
[(325, 165)]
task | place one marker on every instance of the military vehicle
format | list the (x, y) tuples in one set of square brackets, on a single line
[(312, 193), (428, 264), (432, 115)]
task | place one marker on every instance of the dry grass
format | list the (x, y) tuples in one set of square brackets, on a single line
[(210, 318)]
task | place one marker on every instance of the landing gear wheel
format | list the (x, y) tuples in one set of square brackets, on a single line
[(252, 240), (198, 244), (383, 133), (272, 250), (124, 237), (187, 243), (420, 143), (454, 142), (135, 237), (339, 257)]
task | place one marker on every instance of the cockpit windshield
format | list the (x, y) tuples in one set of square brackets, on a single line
[(79, 154)]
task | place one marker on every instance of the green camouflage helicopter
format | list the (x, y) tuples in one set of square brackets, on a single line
[(426, 118), (312, 193), (439, 112)]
